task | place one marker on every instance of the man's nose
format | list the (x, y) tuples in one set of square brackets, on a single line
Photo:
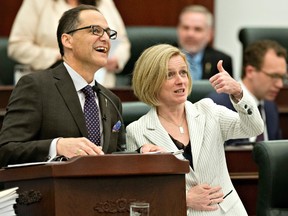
[(279, 83)]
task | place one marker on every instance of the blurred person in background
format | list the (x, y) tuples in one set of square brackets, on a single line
[(195, 32)]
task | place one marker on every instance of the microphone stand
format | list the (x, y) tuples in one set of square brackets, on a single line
[(98, 90)]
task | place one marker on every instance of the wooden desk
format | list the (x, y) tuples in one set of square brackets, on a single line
[(100, 185), (125, 94), (242, 169)]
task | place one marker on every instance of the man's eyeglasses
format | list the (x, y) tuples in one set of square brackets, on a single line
[(98, 30), (275, 76)]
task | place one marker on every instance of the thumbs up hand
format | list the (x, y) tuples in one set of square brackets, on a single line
[(224, 83)]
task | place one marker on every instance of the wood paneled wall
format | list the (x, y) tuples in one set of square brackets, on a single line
[(8, 11), (133, 12), (155, 12)]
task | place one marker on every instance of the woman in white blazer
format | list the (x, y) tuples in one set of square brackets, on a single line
[(162, 80)]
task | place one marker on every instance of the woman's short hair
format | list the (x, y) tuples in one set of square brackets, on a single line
[(151, 71)]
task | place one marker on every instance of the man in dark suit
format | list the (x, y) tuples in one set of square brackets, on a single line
[(45, 116), (263, 75), (195, 30)]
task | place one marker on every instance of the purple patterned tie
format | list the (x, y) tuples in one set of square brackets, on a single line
[(91, 113)]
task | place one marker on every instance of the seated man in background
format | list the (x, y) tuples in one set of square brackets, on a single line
[(195, 32), (56, 112), (264, 73)]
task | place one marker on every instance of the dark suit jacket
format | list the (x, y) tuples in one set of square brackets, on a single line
[(44, 106), (271, 113), (210, 60)]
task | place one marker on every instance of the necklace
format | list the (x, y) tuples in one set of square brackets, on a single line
[(181, 129)]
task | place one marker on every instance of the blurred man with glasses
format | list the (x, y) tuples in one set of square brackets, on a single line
[(46, 114), (264, 73)]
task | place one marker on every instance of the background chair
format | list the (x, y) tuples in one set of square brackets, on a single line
[(251, 34), (132, 111), (142, 37), (200, 90), (6, 64), (272, 160)]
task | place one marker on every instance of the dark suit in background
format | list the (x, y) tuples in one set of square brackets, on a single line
[(44, 106), (209, 62), (271, 113)]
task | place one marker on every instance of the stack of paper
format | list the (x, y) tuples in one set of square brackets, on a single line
[(7, 201)]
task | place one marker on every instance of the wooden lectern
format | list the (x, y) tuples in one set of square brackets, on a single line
[(100, 185)]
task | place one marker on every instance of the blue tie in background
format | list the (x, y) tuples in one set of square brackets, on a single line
[(195, 65), (91, 113)]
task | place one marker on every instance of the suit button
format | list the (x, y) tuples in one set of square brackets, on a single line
[(249, 112)]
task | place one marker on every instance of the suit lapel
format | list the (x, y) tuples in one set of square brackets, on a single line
[(68, 92), (206, 64), (156, 133), (196, 123)]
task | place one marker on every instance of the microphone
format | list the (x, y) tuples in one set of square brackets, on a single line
[(98, 90)]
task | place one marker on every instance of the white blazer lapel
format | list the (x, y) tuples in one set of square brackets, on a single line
[(196, 123), (156, 133)]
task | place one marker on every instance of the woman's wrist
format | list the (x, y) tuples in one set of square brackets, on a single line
[(238, 96)]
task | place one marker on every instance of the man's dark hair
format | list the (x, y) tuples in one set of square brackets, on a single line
[(88, 2), (70, 21), (255, 52)]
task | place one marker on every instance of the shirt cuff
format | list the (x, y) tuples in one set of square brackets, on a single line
[(53, 150)]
